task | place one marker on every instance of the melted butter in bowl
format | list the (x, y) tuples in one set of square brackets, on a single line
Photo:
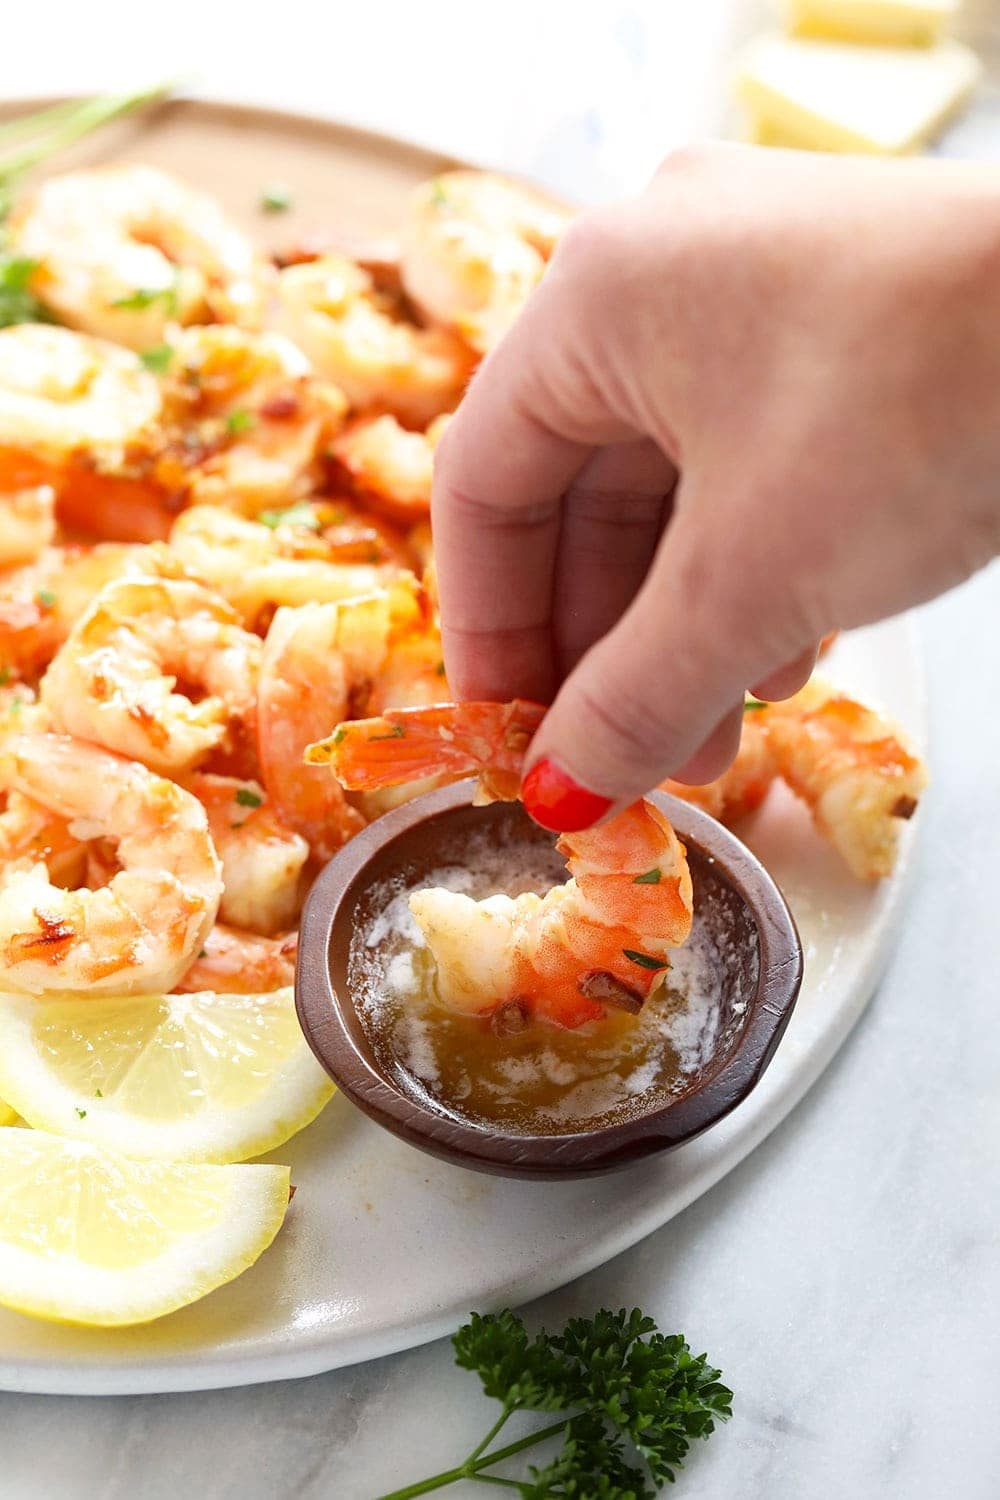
[(541, 1079), (539, 1102)]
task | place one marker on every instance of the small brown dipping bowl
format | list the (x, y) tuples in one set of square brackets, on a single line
[(741, 907)]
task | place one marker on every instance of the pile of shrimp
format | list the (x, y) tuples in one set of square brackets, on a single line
[(215, 474)]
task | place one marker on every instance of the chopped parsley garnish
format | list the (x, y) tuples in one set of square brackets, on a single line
[(650, 877), (644, 960), (81, 1112), (301, 514), (46, 598), (158, 358), (240, 420), (246, 798), (146, 296), (341, 734), (397, 732), (275, 199), (98, 1094), (630, 1403), (751, 705), (18, 303)]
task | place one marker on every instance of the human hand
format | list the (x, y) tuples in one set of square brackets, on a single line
[(758, 403)]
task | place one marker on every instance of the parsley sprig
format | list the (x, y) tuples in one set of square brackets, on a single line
[(25, 142), (633, 1401)]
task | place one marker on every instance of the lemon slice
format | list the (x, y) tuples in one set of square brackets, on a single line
[(90, 1237), (202, 1077), (7, 1115)]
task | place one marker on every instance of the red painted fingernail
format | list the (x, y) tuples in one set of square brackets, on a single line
[(557, 802)]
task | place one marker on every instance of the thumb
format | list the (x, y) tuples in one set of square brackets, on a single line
[(663, 690)]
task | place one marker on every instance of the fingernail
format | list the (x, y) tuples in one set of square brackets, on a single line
[(557, 802)]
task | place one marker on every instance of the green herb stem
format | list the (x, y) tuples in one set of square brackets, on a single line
[(487, 1440), (39, 120), (78, 120), (473, 1464)]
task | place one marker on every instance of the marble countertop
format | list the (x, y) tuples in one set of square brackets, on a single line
[(846, 1276)]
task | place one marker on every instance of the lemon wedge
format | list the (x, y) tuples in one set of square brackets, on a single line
[(87, 1236), (202, 1077)]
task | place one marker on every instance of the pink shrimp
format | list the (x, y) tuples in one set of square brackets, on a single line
[(602, 939), (850, 767), (234, 962), (262, 858), (742, 788)]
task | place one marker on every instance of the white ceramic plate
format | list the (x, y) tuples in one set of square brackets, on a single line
[(385, 1247)]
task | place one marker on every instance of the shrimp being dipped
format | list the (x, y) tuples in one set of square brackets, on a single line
[(262, 858), (117, 679), (389, 467), (124, 251), (601, 940), (141, 932), (356, 337), (852, 770), (233, 962), (474, 248)]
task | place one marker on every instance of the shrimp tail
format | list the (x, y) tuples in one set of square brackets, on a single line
[(445, 740)]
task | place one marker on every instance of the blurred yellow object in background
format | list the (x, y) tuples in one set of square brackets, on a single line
[(900, 23), (832, 96)]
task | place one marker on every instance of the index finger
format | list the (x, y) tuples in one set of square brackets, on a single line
[(499, 477)]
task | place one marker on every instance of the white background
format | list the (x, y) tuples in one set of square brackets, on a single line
[(847, 1276)]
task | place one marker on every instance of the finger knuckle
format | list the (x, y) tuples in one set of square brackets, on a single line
[(592, 247), (685, 161)]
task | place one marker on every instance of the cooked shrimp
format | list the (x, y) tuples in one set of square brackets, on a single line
[(257, 567), (28, 830), (157, 669), (124, 251), (20, 711), (321, 663), (319, 660), (141, 932), (27, 523), (262, 858), (388, 467), (355, 337), (77, 414), (475, 247), (241, 963), (40, 602), (31, 832), (602, 939), (850, 767), (742, 788), (245, 421), (445, 740)]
